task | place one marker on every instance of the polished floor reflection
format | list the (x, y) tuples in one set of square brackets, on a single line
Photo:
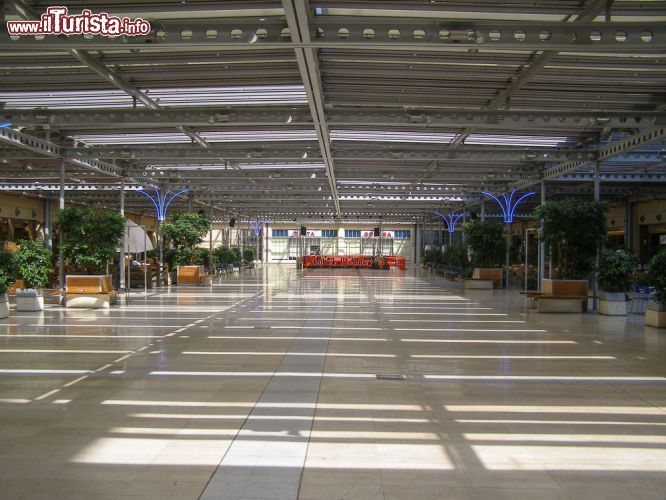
[(330, 384)]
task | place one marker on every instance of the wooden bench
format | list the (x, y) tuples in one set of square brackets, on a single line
[(484, 278), (192, 275), (15, 286), (563, 296), (89, 292)]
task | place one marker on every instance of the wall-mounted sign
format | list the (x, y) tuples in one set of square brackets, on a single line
[(371, 234), (309, 233)]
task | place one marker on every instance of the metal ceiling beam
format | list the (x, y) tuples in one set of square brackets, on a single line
[(391, 156), (45, 148), (393, 35), (26, 12), (292, 117), (612, 150), (87, 188), (539, 63), (609, 177), (297, 20)]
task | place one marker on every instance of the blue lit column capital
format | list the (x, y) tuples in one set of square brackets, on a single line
[(451, 219), (508, 204), (161, 201)]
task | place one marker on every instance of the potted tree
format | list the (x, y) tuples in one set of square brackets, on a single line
[(614, 271), (34, 265), (487, 243), (224, 258), (8, 275), (184, 232), (90, 240), (656, 311), (91, 237), (574, 230)]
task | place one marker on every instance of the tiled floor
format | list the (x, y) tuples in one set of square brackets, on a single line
[(265, 387)]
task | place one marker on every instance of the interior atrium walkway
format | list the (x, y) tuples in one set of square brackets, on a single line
[(330, 385)]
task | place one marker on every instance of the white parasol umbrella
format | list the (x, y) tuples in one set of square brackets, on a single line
[(136, 240)]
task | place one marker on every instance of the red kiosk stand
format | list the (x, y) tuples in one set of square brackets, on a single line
[(360, 261)]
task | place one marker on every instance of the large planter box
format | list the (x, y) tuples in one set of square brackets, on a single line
[(564, 287), (29, 300), (557, 305), (655, 315), (488, 273), (4, 306), (88, 292), (88, 301), (563, 296), (478, 284), (612, 303), (189, 275)]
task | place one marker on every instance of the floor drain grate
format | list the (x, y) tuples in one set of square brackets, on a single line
[(390, 376)]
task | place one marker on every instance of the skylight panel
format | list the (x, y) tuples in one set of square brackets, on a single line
[(213, 137), (159, 138), (391, 136), (515, 140), (167, 97)]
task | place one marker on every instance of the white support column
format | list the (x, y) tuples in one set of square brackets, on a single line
[(239, 235), (417, 245), (597, 197), (509, 237), (121, 266), (61, 255), (48, 222), (628, 225), (211, 266), (483, 210), (266, 239), (542, 245)]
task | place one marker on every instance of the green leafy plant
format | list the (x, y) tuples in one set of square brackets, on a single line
[(8, 271), (575, 229), (249, 254), (186, 231), (430, 256), (455, 256), (615, 270), (236, 256), (170, 257), (202, 256), (487, 241), (91, 236), (34, 263), (223, 255), (183, 257), (657, 276)]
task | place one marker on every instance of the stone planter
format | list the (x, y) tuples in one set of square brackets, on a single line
[(29, 300), (612, 303), (4, 306), (655, 315)]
